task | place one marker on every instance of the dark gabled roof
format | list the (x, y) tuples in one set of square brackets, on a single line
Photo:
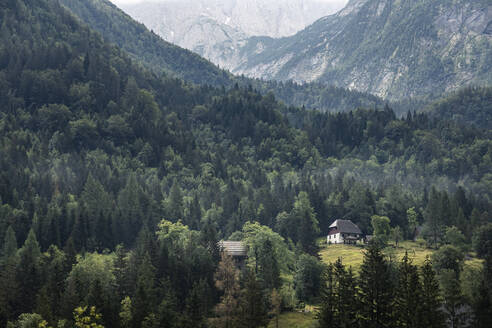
[(346, 226), (233, 248)]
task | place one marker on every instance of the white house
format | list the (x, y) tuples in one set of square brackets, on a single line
[(344, 232)]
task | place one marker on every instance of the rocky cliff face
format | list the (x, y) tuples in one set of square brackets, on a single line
[(392, 48), (217, 29)]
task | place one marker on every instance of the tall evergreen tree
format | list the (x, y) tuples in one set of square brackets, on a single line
[(145, 297), (408, 296), (433, 216), (9, 286), (346, 296), (197, 305), (431, 305), (306, 224), (174, 204), (339, 297), (327, 313), (253, 303), (28, 272), (453, 299), (9, 245), (376, 290), (195, 213), (268, 267)]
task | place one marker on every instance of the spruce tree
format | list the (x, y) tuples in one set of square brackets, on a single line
[(375, 290), (195, 213), (9, 286), (408, 296), (453, 299), (253, 303), (433, 216), (197, 305), (28, 272), (268, 267), (174, 203), (306, 224), (432, 315), (9, 245), (346, 300), (339, 301), (327, 310), (144, 298), (209, 239)]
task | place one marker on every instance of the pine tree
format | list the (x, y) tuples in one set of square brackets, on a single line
[(174, 203), (197, 305), (306, 224), (9, 286), (120, 270), (144, 298), (269, 271), (97, 202), (408, 296), (346, 300), (433, 216), (326, 315), (9, 245), (253, 303), (339, 297), (167, 313), (28, 272), (209, 239), (195, 213), (453, 300), (432, 315), (375, 290), (130, 210)]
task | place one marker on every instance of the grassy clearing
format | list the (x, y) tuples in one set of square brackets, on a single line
[(295, 320), (353, 255)]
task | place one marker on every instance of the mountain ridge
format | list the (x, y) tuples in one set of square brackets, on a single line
[(216, 28), (156, 54), (393, 49)]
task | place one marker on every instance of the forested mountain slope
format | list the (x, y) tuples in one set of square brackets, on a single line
[(393, 49), (156, 54), (116, 183), (468, 106), (145, 46)]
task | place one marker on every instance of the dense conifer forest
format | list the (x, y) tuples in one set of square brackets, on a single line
[(116, 184)]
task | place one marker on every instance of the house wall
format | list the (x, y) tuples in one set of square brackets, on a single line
[(338, 238), (335, 239)]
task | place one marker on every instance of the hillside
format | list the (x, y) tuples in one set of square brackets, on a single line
[(393, 49), (467, 106), (145, 46), (117, 183), (156, 54)]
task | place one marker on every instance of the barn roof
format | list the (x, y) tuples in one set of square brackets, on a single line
[(346, 226), (234, 248)]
